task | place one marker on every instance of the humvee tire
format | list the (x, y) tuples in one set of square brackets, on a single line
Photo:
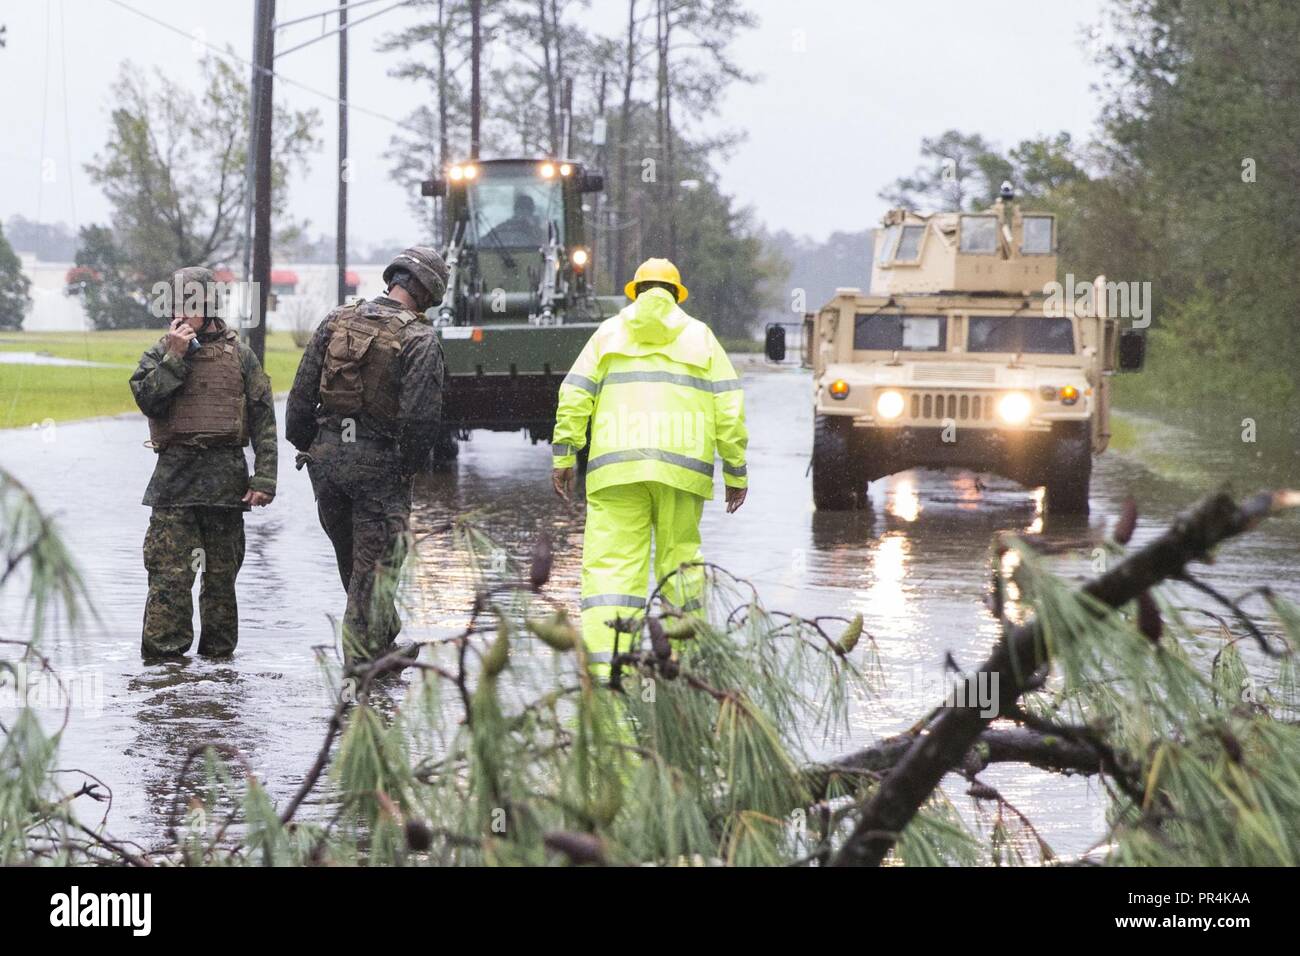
[(836, 474), (1067, 489)]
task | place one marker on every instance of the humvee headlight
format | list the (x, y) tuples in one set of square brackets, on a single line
[(456, 173), (579, 257), (546, 170), (889, 404), (471, 172), (1014, 408), (1069, 395), (565, 169), (839, 389)]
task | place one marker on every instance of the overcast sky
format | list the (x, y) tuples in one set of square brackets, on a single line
[(847, 89)]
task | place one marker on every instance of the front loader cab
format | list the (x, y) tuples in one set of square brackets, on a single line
[(518, 245), (521, 300)]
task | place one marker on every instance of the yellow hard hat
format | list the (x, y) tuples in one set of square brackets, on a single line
[(657, 270)]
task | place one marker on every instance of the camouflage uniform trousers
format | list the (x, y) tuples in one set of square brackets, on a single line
[(181, 542), (364, 507)]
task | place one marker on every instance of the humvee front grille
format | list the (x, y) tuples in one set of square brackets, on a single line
[(960, 407), (954, 372)]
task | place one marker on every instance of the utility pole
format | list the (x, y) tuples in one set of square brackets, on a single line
[(264, 55), (254, 85), (476, 56), (341, 230), (600, 232)]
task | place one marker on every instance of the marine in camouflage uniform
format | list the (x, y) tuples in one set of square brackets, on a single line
[(364, 412), (202, 408)]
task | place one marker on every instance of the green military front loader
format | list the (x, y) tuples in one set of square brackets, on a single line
[(520, 303)]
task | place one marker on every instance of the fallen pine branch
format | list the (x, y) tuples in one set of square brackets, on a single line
[(1018, 658), (993, 745)]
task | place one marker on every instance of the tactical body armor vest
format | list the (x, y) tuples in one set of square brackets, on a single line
[(362, 371), (209, 409)]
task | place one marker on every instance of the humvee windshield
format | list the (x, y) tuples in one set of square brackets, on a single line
[(510, 207), (1020, 333), (908, 333)]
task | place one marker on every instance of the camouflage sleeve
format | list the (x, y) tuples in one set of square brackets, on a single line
[(260, 401), (300, 410), (420, 409), (156, 379)]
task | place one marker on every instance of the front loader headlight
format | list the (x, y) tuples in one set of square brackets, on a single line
[(889, 404), (1014, 408)]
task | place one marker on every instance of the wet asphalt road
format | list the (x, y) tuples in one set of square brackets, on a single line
[(916, 566)]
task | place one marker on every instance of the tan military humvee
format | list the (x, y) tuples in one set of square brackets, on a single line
[(963, 354)]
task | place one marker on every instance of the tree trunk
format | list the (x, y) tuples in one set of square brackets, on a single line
[(443, 143), (622, 154), (548, 76), (475, 95), (341, 226), (558, 40), (670, 166)]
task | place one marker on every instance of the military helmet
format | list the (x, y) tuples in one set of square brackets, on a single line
[(189, 280), (424, 263)]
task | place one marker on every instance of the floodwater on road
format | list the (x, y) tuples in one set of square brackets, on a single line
[(915, 565)]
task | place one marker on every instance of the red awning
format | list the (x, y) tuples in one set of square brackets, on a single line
[(223, 275), (351, 278), (81, 274), (284, 277)]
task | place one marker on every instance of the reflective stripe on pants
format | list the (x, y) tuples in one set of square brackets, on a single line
[(622, 521)]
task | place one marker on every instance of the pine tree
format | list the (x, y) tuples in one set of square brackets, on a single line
[(15, 288)]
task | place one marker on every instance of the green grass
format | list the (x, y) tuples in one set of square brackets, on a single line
[(33, 393), (1124, 436), (739, 345)]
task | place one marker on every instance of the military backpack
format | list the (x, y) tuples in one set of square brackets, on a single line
[(362, 369)]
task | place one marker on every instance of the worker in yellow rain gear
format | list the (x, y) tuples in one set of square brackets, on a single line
[(662, 399)]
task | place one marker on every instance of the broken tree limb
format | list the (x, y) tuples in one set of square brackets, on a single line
[(1045, 751), (1020, 653)]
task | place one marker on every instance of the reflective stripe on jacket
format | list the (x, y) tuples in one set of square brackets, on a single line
[(662, 400)]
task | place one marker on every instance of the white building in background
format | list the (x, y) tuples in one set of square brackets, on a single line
[(304, 293)]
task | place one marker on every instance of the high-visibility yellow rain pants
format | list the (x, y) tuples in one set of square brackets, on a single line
[(621, 521)]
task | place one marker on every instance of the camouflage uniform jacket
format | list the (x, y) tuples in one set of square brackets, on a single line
[(419, 404), (191, 476)]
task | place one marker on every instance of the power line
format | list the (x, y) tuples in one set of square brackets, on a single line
[(343, 27), (402, 124), (354, 5)]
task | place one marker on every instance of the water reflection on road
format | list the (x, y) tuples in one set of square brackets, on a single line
[(916, 565)]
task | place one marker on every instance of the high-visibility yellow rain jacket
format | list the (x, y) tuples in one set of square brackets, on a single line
[(662, 400)]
